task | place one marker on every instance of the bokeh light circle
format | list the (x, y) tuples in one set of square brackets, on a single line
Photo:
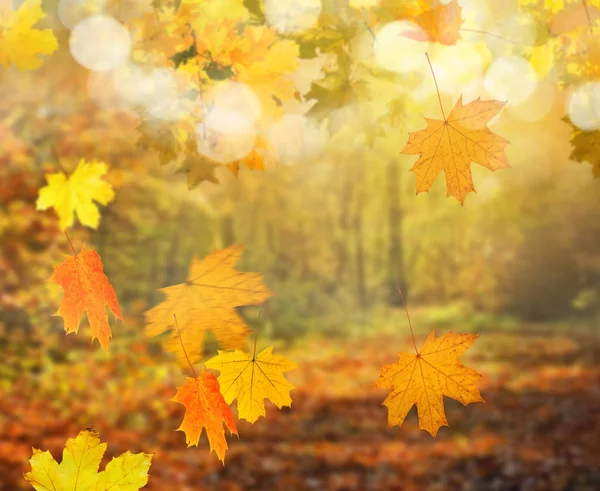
[(296, 138), (225, 135), (235, 96), (399, 46), (100, 43), (583, 106), (292, 16), (536, 106), (165, 100), (132, 84), (511, 79)]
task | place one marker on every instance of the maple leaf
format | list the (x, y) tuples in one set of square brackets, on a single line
[(75, 194), (78, 470), (251, 379), (20, 43), (441, 22), (86, 289), (423, 379), (205, 407), (199, 168), (452, 144), (255, 160), (207, 301)]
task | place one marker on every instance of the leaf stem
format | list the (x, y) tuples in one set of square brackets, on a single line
[(58, 161), (436, 88), (183, 348), (589, 17), (479, 31), (408, 317), (256, 339), (70, 243)]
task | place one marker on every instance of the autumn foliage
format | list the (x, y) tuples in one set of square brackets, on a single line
[(228, 93)]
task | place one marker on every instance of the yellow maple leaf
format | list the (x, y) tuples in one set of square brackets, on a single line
[(75, 194), (251, 379), (20, 42), (424, 378), (78, 470), (207, 302), (452, 144)]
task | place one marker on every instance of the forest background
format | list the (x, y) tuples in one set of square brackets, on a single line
[(334, 224)]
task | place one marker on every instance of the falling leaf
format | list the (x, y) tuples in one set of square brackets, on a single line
[(78, 470), (20, 42), (205, 408), (207, 301), (441, 24), (199, 168), (423, 379), (76, 194), (574, 16), (86, 289), (452, 144), (251, 379), (255, 160)]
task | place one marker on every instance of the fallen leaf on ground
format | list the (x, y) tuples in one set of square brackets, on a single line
[(424, 378)]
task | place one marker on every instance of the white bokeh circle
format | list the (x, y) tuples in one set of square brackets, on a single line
[(400, 46), (100, 43), (583, 106), (235, 96), (292, 16), (165, 99), (510, 78), (296, 138), (225, 135)]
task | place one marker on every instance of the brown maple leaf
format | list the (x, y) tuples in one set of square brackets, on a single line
[(452, 144), (88, 290), (205, 407), (425, 377)]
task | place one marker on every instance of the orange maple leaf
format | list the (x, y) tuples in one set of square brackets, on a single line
[(452, 144), (86, 289), (441, 24), (255, 160), (425, 377), (205, 407)]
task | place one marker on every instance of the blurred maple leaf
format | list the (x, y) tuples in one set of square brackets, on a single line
[(20, 42), (441, 23), (205, 408), (423, 379), (452, 144), (255, 160), (88, 290), (76, 193), (252, 378), (78, 470), (207, 301)]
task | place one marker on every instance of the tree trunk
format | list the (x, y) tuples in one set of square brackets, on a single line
[(396, 270)]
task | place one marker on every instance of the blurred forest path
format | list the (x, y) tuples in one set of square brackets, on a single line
[(538, 430)]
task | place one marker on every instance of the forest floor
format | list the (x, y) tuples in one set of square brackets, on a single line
[(539, 428)]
